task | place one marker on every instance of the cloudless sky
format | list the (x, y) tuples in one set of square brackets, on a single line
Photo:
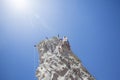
[(92, 26)]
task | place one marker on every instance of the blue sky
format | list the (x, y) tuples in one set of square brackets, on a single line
[(92, 26)]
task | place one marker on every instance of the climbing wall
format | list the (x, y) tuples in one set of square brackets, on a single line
[(57, 61)]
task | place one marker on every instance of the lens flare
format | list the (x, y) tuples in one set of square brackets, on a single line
[(18, 5)]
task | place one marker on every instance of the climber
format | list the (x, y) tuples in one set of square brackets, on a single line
[(65, 39), (60, 49), (46, 37), (58, 36), (66, 42), (35, 46), (68, 65)]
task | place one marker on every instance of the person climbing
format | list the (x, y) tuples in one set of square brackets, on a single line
[(46, 37), (65, 39), (60, 49), (66, 42), (35, 45), (58, 36)]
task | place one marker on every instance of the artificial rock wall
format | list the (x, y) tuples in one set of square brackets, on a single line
[(57, 61)]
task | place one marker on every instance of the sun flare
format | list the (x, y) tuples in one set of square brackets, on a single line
[(19, 5)]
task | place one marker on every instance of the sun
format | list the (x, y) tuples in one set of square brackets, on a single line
[(19, 5)]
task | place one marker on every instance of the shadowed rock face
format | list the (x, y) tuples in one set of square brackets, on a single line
[(57, 62)]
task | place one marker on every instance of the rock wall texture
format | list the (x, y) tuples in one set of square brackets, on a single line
[(57, 61)]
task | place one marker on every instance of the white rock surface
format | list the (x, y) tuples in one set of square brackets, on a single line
[(57, 62)]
